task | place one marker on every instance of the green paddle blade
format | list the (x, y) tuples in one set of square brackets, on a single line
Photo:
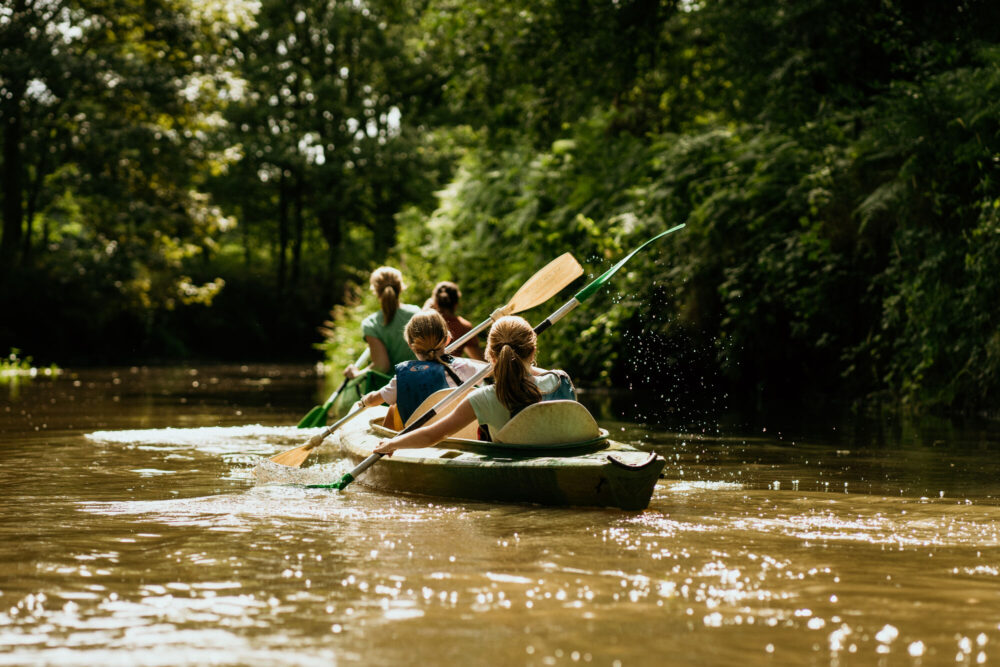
[(339, 485), (596, 284), (316, 417)]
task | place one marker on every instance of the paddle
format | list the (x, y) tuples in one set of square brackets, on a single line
[(467, 386), (538, 289), (317, 416), (541, 287)]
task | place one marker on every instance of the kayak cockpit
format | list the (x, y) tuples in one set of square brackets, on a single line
[(540, 429)]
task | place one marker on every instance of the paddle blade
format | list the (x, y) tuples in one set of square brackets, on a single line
[(316, 417), (546, 283), (339, 485), (293, 458), (596, 284)]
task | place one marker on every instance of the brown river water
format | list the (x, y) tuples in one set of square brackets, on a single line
[(139, 526)]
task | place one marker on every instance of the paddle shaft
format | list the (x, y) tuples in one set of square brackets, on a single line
[(337, 424), (471, 333)]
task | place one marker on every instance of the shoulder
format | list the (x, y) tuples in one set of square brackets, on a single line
[(409, 309), (464, 322), (482, 395), (548, 381), (372, 323), (464, 367)]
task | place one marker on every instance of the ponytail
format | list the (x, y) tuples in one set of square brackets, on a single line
[(389, 299), (387, 283), (511, 348), (427, 335), (446, 296)]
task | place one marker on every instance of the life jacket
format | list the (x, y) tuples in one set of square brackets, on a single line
[(416, 380), (564, 392)]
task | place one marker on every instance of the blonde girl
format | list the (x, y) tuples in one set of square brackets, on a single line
[(427, 335), (511, 349), (383, 329)]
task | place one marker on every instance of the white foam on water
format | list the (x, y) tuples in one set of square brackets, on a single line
[(212, 440), (267, 472), (239, 512)]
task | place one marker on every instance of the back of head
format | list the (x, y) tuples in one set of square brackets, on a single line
[(446, 296), (387, 283), (511, 348), (427, 334)]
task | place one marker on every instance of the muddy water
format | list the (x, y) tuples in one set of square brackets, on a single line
[(134, 531)]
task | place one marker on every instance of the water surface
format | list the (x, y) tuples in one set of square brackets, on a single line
[(135, 531)]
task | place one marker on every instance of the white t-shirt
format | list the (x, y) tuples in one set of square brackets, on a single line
[(491, 412)]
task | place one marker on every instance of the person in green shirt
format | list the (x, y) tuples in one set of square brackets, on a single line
[(383, 329)]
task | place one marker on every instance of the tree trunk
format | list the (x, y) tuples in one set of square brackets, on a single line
[(297, 241), (329, 224), (11, 176), (282, 231), (34, 191)]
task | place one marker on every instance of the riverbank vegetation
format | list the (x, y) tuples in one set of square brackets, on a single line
[(208, 179), (14, 368)]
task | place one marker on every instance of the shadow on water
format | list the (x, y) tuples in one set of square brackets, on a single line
[(832, 450)]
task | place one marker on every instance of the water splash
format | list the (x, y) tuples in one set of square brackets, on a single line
[(212, 440)]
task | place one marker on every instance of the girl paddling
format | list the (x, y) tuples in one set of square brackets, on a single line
[(511, 349), (427, 335), (383, 329), (445, 300)]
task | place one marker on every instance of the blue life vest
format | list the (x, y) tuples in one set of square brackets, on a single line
[(415, 381)]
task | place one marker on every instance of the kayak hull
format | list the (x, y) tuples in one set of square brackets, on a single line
[(601, 473)]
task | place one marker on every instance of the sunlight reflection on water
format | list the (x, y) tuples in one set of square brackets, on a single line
[(186, 546)]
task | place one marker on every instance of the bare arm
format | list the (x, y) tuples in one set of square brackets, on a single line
[(473, 351), (371, 399), (432, 434), (380, 355)]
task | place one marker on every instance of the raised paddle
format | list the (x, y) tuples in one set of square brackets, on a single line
[(467, 386), (538, 289), (541, 287), (317, 416)]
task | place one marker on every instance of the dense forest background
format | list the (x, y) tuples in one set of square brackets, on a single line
[(206, 179)]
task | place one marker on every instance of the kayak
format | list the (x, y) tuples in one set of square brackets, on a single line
[(548, 456), (369, 381)]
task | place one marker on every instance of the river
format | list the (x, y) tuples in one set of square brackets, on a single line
[(135, 531)]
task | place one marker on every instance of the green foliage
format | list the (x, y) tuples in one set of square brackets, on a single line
[(212, 177), (14, 365)]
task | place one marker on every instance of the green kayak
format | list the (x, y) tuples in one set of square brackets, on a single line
[(550, 455), (357, 387)]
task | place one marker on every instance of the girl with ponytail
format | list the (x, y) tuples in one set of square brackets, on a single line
[(511, 349), (445, 300), (383, 329), (427, 335)]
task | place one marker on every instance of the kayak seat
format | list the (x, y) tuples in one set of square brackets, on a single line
[(550, 423), (468, 431)]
